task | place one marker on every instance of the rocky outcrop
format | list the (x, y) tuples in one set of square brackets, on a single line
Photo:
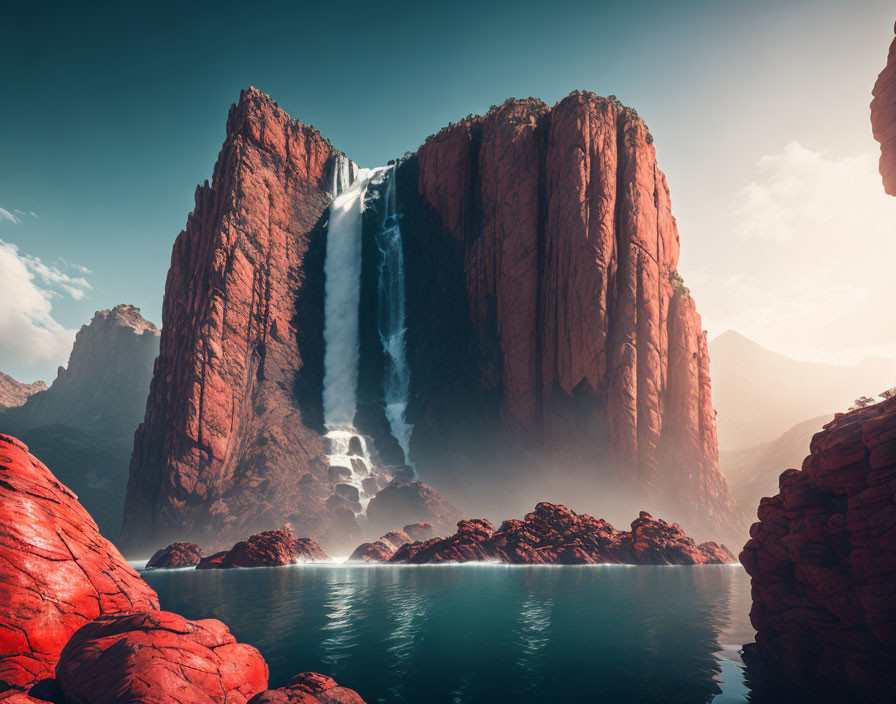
[(56, 571), (274, 547), (823, 560), (103, 388), (157, 658), (14, 393), (309, 688), (582, 334), (883, 120), (554, 534), (230, 443), (407, 502), (175, 556), (419, 531)]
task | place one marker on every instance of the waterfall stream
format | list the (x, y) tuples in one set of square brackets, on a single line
[(391, 319), (351, 467)]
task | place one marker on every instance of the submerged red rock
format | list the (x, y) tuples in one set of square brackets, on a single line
[(158, 658), (309, 688), (56, 571)]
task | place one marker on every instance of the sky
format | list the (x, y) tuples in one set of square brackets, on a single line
[(759, 109)]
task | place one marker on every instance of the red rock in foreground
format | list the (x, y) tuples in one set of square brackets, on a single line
[(56, 571), (309, 688), (554, 534), (883, 120), (823, 560), (175, 556), (157, 658)]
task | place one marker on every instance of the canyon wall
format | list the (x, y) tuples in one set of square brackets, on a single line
[(550, 338), (582, 339), (883, 119), (231, 439)]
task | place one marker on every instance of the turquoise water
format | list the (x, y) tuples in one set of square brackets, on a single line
[(487, 633)]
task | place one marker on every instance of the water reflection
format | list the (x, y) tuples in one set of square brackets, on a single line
[(476, 634)]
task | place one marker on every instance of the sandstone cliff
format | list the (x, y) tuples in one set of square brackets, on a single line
[(883, 120), (230, 440), (579, 333)]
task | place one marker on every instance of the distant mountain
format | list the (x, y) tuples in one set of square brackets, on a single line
[(14, 393), (759, 394), (753, 472), (83, 425)]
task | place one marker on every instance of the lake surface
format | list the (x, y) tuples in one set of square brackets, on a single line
[(487, 633)]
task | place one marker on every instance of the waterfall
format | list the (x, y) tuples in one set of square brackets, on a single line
[(391, 319), (351, 468)]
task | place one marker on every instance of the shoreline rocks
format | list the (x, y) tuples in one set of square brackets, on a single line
[(554, 534), (175, 556)]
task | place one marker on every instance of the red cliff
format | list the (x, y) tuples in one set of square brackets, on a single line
[(582, 325), (225, 448), (883, 120)]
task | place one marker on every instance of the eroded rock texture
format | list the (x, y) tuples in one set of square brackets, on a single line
[(230, 442), (581, 329), (158, 658), (56, 571), (309, 688), (823, 559), (883, 120), (554, 534)]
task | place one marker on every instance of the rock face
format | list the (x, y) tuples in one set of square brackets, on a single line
[(103, 389), (83, 425), (581, 335), (883, 120), (381, 550), (309, 688), (175, 556), (157, 658), (230, 442), (553, 534), (56, 571), (14, 393), (823, 559), (549, 337)]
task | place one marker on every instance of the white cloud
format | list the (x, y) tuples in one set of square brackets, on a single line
[(6, 215), (809, 268), (30, 337)]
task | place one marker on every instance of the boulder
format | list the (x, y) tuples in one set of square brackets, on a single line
[(309, 688), (274, 547), (57, 572), (158, 658)]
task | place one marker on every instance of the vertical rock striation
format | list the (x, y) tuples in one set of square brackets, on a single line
[(230, 440), (580, 324)]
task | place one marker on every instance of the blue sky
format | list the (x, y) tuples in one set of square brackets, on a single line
[(113, 114)]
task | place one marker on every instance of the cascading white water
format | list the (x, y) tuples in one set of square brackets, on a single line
[(347, 450), (391, 319)]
